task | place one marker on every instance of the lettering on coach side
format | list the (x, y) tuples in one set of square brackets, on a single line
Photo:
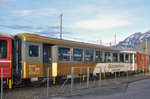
[(34, 70), (115, 66)]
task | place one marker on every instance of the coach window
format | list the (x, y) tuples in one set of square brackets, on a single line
[(99, 56), (115, 57), (131, 56), (121, 57), (89, 55), (3, 49), (108, 57), (77, 54), (33, 51), (127, 58), (135, 58), (64, 54)]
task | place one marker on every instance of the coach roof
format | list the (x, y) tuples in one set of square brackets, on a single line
[(5, 35), (42, 39)]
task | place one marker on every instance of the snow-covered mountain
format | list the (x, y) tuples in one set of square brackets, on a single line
[(135, 40)]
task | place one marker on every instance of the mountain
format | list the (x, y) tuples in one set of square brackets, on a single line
[(134, 40)]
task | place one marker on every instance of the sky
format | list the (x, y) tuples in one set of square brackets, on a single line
[(82, 20)]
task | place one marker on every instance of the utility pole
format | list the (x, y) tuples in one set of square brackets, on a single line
[(115, 40), (146, 47), (146, 50), (61, 26), (110, 44), (100, 42), (126, 46)]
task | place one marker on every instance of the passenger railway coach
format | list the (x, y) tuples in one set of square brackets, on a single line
[(27, 56), (5, 56)]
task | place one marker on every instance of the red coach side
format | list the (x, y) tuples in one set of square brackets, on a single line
[(141, 61), (5, 56)]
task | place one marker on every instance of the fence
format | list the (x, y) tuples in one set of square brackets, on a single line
[(80, 78), (84, 77), (90, 77), (95, 78)]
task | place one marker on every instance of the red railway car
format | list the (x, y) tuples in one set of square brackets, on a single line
[(5, 55), (142, 61)]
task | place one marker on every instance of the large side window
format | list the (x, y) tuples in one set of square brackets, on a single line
[(108, 57), (121, 57), (33, 50), (77, 55), (127, 59), (135, 58), (3, 49), (99, 56), (89, 55), (131, 58), (64, 54), (115, 57)]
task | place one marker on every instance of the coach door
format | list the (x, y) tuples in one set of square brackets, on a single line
[(47, 60)]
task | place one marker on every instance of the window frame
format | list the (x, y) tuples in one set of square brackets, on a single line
[(93, 51), (82, 56), (6, 48), (102, 56), (135, 58), (106, 61), (70, 59), (38, 52), (117, 57), (120, 58), (128, 57)]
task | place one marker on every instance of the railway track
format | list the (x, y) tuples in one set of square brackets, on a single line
[(40, 89)]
